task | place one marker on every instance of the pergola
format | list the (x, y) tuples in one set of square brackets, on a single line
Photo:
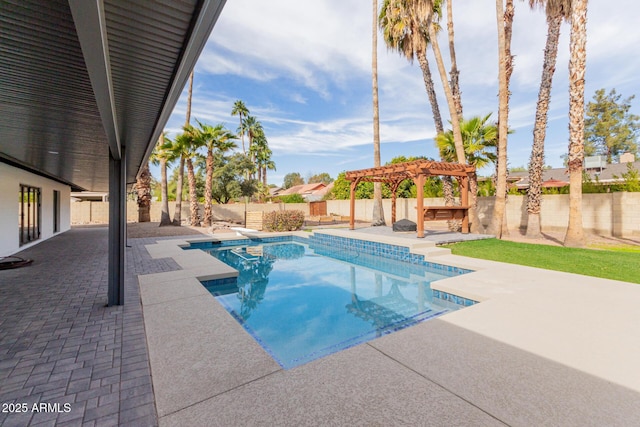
[(418, 171)]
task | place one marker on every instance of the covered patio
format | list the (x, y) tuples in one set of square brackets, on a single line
[(417, 171)]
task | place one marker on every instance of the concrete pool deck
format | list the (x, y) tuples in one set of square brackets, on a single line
[(543, 348)]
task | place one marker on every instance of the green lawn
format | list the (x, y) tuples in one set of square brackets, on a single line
[(607, 264)]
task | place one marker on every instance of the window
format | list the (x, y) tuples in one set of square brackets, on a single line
[(56, 211), (29, 214)]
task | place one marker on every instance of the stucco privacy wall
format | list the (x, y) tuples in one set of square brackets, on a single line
[(98, 212), (10, 180), (610, 214)]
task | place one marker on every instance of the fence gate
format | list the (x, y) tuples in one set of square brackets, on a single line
[(318, 208)]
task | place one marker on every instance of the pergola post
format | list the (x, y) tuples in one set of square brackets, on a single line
[(117, 224), (352, 204), (419, 180)]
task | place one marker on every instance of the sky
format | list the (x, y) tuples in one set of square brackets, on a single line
[(303, 69)]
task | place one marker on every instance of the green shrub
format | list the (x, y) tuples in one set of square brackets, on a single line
[(291, 198), (283, 220)]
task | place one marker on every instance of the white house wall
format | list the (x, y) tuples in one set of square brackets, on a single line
[(10, 180)]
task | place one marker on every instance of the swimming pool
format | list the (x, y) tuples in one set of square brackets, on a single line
[(304, 301)]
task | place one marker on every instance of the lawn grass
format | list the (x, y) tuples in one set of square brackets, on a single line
[(607, 264)]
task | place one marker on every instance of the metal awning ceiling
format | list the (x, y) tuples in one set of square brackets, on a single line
[(81, 77)]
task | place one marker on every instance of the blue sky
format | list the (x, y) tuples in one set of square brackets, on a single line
[(304, 70)]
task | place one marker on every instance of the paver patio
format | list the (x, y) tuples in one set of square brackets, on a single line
[(60, 344)]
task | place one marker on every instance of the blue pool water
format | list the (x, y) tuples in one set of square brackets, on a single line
[(302, 303)]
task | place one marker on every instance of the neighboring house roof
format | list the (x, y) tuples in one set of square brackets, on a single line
[(275, 191), (303, 189), (557, 176)]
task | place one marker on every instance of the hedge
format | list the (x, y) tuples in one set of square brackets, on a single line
[(283, 220)]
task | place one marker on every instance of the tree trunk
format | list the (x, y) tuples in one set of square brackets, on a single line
[(497, 218), (447, 183), (454, 73), (208, 214), (143, 190), (577, 65), (194, 208), (455, 119), (165, 219), (177, 215), (536, 164), (244, 151), (431, 92), (378, 212), (476, 227), (188, 115)]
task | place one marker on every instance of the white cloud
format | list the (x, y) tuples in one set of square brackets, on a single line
[(316, 56)]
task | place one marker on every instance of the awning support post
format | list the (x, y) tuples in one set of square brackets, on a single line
[(117, 228)]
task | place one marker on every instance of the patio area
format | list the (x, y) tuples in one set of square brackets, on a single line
[(542, 348)]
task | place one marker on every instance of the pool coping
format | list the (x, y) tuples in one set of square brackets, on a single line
[(193, 373)]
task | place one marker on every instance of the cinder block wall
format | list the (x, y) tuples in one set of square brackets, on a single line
[(609, 214)]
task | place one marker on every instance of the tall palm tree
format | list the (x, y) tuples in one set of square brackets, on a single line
[(253, 129), (261, 153), (402, 31), (577, 66), (406, 32), (143, 194), (504, 65), (217, 140), (479, 140), (556, 11), (179, 149), (453, 113), (187, 142), (454, 73), (188, 115), (162, 155), (241, 110), (378, 211)]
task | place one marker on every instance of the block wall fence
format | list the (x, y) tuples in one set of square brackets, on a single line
[(609, 214)]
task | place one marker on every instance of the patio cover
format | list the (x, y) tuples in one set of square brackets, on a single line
[(87, 86), (418, 171)]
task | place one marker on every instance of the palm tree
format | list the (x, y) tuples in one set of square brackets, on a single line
[(403, 32), (479, 140), (162, 155), (253, 129), (378, 211), (188, 115), (219, 140), (577, 66), (453, 112), (177, 151), (504, 66), (187, 143), (143, 193), (556, 11), (454, 73), (241, 110)]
